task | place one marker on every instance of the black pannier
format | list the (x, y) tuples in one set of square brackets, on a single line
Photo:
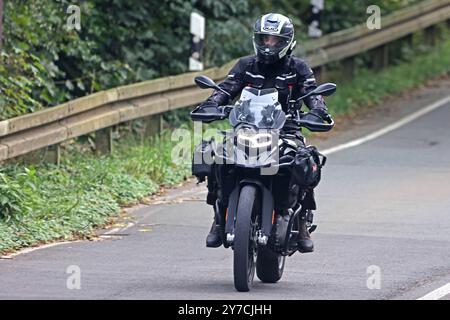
[(308, 166), (203, 159)]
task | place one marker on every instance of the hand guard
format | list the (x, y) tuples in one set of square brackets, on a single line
[(207, 107), (317, 115)]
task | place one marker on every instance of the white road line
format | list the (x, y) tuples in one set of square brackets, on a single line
[(392, 127), (444, 290), (438, 293), (120, 229), (109, 233), (29, 250)]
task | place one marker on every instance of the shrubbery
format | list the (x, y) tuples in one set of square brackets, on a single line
[(122, 42)]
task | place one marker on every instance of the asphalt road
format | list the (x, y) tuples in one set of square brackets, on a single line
[(384, 207)]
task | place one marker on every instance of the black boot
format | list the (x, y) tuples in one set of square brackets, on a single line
[(304, 242), (214, 240)]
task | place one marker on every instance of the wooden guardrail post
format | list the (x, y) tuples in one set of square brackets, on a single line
[(103, 141), (348, 68), (409, 40), (320, 73), (396, 51), (430, 35), (47, 155), (153, 125), (53, 154), (381, 57)]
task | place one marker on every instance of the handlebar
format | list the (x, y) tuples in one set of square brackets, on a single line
[(317, 127), (214, 116), (311, 125), (207, 117)]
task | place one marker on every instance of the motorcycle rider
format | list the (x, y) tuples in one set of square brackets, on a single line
[(273, 66)]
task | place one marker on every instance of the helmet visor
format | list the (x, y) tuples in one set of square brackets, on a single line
[(271, 41)]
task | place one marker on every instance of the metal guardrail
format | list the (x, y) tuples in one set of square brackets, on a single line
[(104, 109), (349, 42)]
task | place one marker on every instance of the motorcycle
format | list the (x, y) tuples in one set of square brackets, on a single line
[(250, 179)]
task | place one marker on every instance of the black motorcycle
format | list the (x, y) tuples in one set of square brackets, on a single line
[(258, 178)]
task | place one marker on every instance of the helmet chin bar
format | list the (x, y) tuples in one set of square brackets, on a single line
[(294, 43), (273, 58)]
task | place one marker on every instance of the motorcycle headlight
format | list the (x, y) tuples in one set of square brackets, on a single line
[(252, 139)]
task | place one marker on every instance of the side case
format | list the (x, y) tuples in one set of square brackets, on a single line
[(307, 168)]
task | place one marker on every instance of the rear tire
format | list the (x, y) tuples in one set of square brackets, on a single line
[(244, 244), (269, 265)]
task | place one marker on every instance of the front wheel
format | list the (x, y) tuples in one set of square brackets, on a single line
[(269, 265), (245, 247)]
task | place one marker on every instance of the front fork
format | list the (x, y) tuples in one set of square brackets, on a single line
[(267, 212)]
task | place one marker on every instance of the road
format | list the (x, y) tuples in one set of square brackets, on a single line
[(383, 233)]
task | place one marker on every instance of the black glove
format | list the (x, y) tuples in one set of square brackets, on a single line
[(208, 107), (317, 115)]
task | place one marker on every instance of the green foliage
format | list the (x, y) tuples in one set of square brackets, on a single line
[(68, 63), (22, 83), (122, 41), (48, 202), (11, 196)]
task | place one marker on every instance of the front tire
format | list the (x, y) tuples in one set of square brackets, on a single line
[(244, 238), (269, 265)]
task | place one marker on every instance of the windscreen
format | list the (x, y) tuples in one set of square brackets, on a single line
[(259, 108)]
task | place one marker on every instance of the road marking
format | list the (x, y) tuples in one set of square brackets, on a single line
[(438, 104), (438, 293), (118, 230), (116, 233), (29, 250), (444, 290), (108, 234)]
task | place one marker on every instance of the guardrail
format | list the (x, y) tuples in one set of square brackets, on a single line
[(349, 42), (100, 111)]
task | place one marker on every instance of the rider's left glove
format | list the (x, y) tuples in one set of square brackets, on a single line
[(317, 115)]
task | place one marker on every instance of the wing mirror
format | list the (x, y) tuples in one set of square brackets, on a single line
[(204, 82)]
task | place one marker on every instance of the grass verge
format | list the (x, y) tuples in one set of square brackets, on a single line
[(45, 203)]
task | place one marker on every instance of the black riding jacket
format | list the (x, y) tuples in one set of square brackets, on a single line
[(288, 72)]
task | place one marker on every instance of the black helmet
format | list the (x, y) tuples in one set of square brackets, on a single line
[(273, 37)]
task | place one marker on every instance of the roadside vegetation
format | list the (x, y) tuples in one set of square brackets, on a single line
[(47, 202)]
